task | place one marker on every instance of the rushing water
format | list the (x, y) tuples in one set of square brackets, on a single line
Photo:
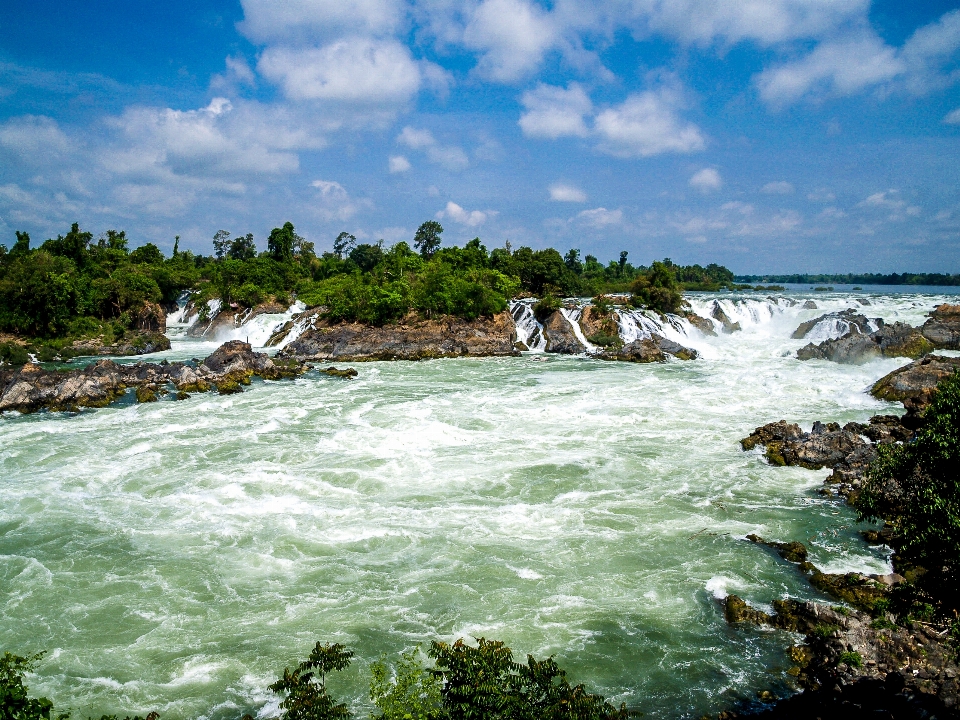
[(175, 556)]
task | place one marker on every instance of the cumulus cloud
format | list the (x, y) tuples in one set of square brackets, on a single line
[(471, 218), (357, 70), (891, 202), (333, 202), (561, 192), (451, 157), (953, 117), (781, 187), (853, 63), (553, 112), (33, 137), (730, 21), (399, 164), (706, 180), (647, 124), (600, 217), (291, 20), (512, 35)]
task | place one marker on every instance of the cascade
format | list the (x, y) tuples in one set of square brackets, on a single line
[(529, 329)]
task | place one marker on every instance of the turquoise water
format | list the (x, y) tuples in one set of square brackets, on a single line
[(176, 556)]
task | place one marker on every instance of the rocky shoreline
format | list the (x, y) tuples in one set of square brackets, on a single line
[(855, 661)]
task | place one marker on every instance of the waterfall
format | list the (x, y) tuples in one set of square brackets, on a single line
[(529, 329), (573, 317)]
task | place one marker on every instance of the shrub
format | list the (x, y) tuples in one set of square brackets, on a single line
[(546, 306), (414, 693), (15, 702), (657, 289), (305, 686), (853, 659)]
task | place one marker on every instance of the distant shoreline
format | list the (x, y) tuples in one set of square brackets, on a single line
[(935, 279)]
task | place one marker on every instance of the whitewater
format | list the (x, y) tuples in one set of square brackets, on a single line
[(175, 556)]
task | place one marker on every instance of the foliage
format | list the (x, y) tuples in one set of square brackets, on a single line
[(857, 279), (546, 306), (657, 289), (305, 686), (15, 702), (414, 693), (427, 240), (853, 659), (926, 518), (13, 354)]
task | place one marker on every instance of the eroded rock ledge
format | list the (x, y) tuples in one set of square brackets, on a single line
[(231, 366)]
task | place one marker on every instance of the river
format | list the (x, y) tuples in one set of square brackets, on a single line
[(175, 556)]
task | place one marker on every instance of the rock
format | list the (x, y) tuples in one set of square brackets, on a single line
[(138, 343), (346, 373), (560, 335), (411, 339), (943, 327), (701, 323), (674, 348), (32, 388), (855, 347), (231, 317), (847, 321), (914, 384), (718, 314), (735, 610), (599, 329), (151, 318), (645, 350), (771, 432), (809, 305)]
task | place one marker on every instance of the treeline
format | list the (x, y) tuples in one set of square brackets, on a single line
[(76, 286), (465, 683), (856, 279)]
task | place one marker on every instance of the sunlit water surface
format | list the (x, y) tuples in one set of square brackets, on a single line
[(175, 556)]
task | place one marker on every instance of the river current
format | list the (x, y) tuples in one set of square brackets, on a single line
[(175, 556)]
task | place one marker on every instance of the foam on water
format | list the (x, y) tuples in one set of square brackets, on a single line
[(175, 556)]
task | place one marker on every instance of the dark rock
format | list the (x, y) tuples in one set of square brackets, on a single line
[(146, 394), (771, 432), (411, 339), (151, 318), (914, 384), (701, 323), (849, 320), (717, 313), (855, 347), (809, 305), (560, 335), (674, 348), (138, 343), (346, 373), (943, 327), (645, 350)]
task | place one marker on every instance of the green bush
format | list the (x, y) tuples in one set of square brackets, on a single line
[(413, 693), (853, 659), (13, 354), (15, 702), (657, 289), (546, 306), (305, 687)]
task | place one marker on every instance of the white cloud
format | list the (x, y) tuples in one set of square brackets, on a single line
[(399, 164), (471, 218), (781, 187), (763, 21), (333, 202), (512, 35), (450, 157), (553, 112), (352, 70), (849, 64), (286, 20), (33, 137), (600, 217), (887, 199), (561, 192), (706, 180), (647, 124), (953, 117)]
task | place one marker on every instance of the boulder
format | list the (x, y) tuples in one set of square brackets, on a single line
[(151, 318), (943, 327), (674, 348), (855, 347), (809, 305), (701, 323), (717, 313), (645, 350), (849, 321), (412, 338), (138, 343), (599, 329), (560, 335), (914, 384)]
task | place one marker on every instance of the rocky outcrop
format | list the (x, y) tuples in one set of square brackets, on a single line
[(943, 327), (701, 323), (855, 347), (410, 339), (599, 328), (139, 343), (809, 305), (560, 335), (717, 313), (645, 350), (847, 450), (847, 321), (233, 364), (151, 319), (914, 384)]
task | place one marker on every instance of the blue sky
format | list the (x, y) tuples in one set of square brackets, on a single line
[(767, 135)]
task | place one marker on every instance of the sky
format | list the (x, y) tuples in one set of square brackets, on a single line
[(765, 135)]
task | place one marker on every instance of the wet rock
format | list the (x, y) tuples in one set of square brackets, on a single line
[(411, 339), (771, 432), (32, 388), (599, 328), (645, 350), (560, 335), (151, 318), (849, 321), (897, 340), (701, 323), (717, 313), (809, 305), (231, 317), (346, 373), (943, 327), (914, 384), (674, 348)]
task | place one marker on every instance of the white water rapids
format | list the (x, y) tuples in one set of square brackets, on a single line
[(175, 556)]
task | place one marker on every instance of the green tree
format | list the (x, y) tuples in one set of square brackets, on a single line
[(281, 242), (413, 693), (305, 687), (148, 254), (221, 243), (15, 701), (242, 248), (924, 477), (344, 243), (657, 289), (21, 247), (427, 240)]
